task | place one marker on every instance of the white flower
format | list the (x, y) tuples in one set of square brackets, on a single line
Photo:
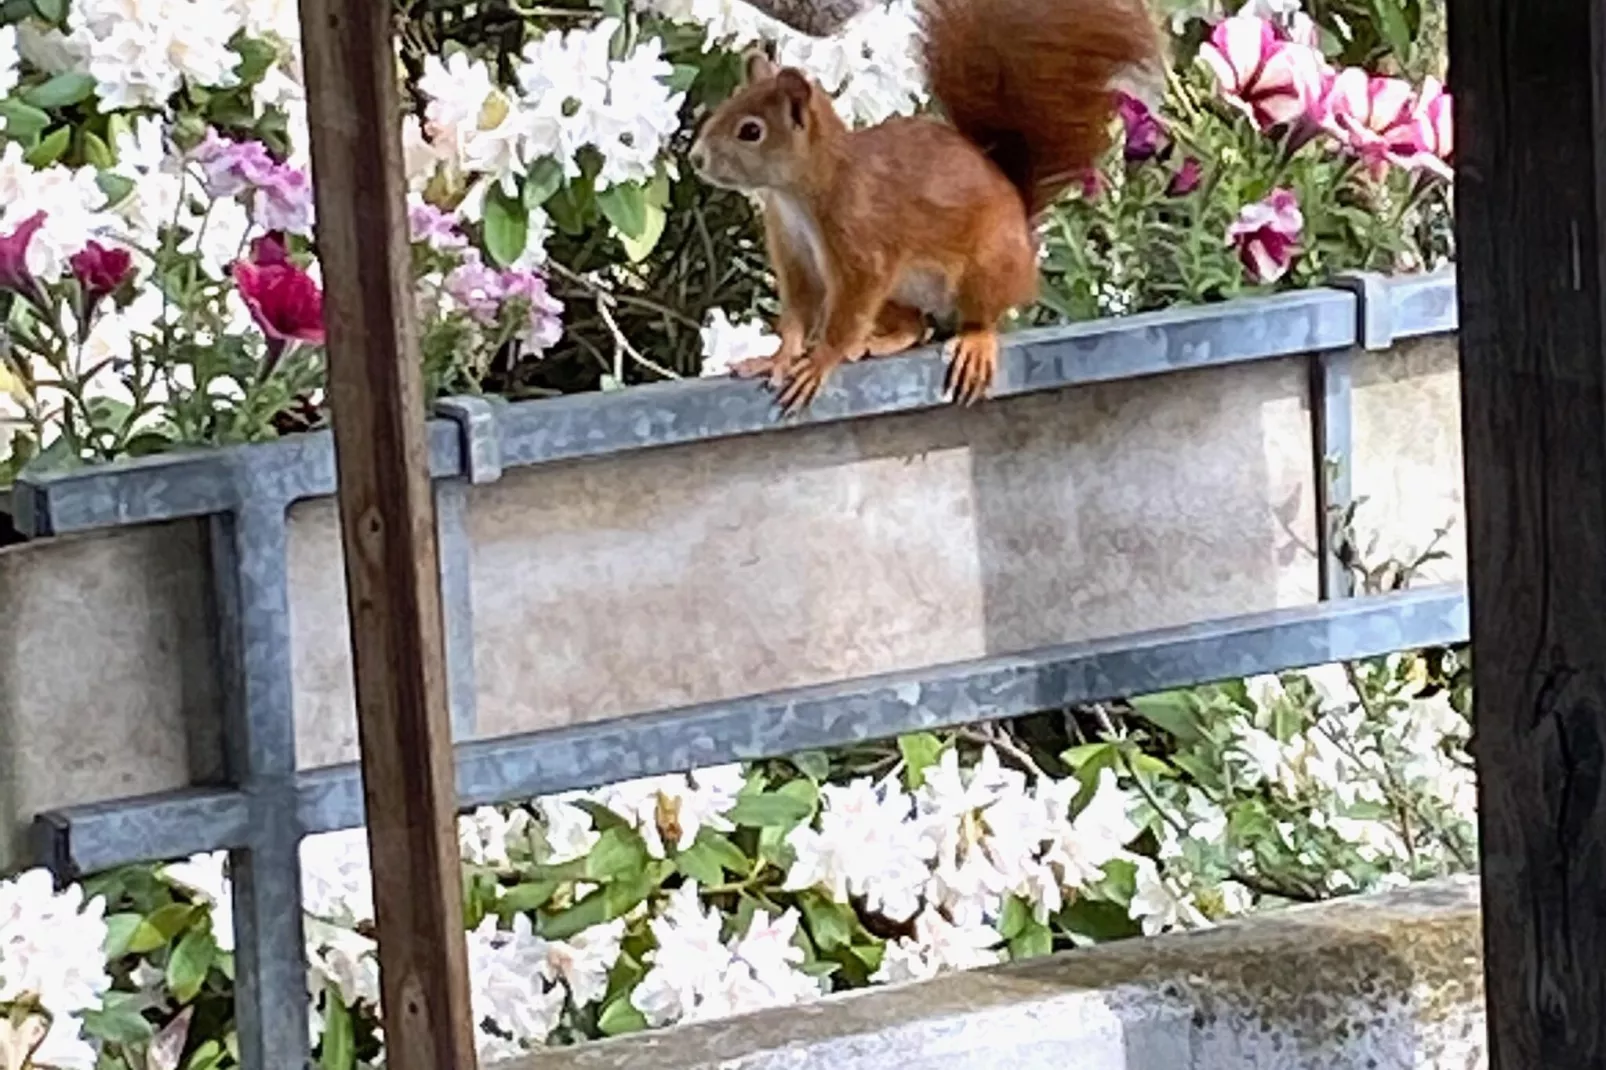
[(51, 952), (204, 874), (867, 845), (697, 977), (141, 51), (514, 1006), (938, 946), (1157, 907), (726, 344), (689, 959), (9, 59), (567, 829), (678, 805), (336, 884), (342, 960), (483, 835), (584, 960)]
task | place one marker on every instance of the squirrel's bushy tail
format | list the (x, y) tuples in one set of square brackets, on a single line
[(1030, 81)]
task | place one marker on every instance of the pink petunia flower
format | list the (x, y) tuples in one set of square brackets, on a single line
[(1266, 234), (1271, 80)]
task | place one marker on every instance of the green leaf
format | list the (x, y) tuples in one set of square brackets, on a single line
[(531, 895), (921, 751), (618, 853), (338, 1050), (96, 152), (770, 809), (205, 1057), (1017, 916), (172, 919), (24, 123), (625, 205), (699, 863), (541, 181), (189, 964), (507, 226), (1033, 941), (1171, 712), (118, 1021), (52, 11), (116, 187), (601, 906), (830, 923), (62, 91), (256, 56), (120, 930), (620, 1017), (638, 249), (682, 77), (49, 150), (1099, 920), (814, 764), (1393, 28)]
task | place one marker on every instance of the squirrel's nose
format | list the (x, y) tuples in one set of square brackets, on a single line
[(699, 157)]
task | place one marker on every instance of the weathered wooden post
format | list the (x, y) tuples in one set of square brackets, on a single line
[(1529, 78), (388, 532)]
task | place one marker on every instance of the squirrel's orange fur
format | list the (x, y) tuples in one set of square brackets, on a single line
[(870, 230)]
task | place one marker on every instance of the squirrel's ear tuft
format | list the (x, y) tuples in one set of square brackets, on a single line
[(757, 66), (795, 84)]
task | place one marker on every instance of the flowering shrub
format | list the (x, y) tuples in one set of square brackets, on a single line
[(691, 897), (558, 244)]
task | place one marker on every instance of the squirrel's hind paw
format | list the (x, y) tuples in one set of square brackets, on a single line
[(972, 366)]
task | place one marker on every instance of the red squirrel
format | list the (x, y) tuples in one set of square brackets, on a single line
[(869, 231)]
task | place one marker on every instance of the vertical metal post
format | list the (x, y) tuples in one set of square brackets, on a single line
[(251, 573)]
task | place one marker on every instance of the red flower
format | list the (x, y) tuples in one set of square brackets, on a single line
[(283, 300), (100, 270), (270, 249), (14, 273)]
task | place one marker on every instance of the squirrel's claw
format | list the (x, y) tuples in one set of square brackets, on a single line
[(974, 363), (802, 386)]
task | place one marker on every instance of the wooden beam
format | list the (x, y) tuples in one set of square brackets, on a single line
[(388, 532), (1528, 79)]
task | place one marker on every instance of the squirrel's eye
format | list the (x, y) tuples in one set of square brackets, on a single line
[(750, 130)]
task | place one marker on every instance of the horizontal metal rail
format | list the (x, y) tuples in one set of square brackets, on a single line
[(84, 839), (203, 482)]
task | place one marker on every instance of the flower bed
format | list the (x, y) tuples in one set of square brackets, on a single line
[(161, 287), (691, 897)]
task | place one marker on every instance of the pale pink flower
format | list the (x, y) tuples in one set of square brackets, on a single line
[(1269, 79), (1371, 116), (1435, 132), (1266, 234)]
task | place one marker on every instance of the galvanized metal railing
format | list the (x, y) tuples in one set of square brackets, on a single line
[(268, 805)]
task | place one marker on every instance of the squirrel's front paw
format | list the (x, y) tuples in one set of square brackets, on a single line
[(803, 383), (973, 365)]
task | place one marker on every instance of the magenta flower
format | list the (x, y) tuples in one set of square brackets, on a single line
[(1186, 180), (1266, 234), (1371, 117), (283, 300), (100, 271), (435, 228), (269, 249), (1269, 79), (1144, 134), (15, 275)]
